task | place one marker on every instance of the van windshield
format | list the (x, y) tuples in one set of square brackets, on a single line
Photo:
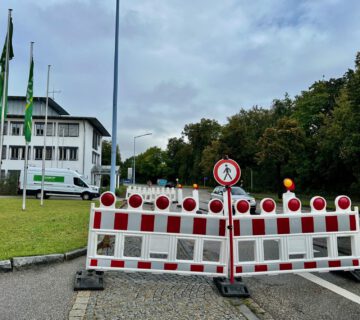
[(78, 182)]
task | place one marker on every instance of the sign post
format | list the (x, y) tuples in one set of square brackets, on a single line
[(227, 172)]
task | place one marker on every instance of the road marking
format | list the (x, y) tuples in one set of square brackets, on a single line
[(330, 286)]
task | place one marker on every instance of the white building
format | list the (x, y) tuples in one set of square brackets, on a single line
[(72, 142)]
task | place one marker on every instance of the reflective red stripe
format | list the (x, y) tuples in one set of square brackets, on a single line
[(170, 266), (97, 220), (307, 224), (352, 223), (197, 268), (144, 265), (173, 224), (199, 226), (236, 228), (93, 263), (261, 268), (283, 225), (310, 265), (258, 226), (117, 264), (334, 264), (121, 221), (285, 266), (331, 223), (147, 222), (222, 228)]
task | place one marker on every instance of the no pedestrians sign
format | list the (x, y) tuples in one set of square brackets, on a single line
[(227, 172)]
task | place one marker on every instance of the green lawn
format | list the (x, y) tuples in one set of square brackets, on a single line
[(57, 227)]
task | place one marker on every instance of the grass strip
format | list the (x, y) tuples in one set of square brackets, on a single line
[(57, 227)]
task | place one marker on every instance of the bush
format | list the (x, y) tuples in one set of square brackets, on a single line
[(9, 185), (120, 192)]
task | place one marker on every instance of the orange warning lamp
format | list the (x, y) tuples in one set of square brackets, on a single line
[(195, 186), (289, 184)]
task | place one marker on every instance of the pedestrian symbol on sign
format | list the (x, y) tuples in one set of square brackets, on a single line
[(227, 172)]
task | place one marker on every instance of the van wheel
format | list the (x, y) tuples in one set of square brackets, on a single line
[(38, 194), (85, 196)]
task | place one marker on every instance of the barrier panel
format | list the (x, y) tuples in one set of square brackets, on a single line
[(161, 241), (156, 241), (149, 194), (296, 241)]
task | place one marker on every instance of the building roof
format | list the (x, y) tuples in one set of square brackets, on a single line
[(52, 103), (95, 122)]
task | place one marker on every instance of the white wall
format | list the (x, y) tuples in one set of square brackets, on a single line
[(83, 142)]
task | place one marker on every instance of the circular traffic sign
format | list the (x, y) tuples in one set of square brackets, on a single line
[(227, 172)]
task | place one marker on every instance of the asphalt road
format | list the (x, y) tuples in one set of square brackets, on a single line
[(40, 292)]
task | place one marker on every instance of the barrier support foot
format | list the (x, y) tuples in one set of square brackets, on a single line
[(89, 280), (227, 289)]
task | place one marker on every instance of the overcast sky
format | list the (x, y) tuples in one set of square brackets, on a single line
[(179, 60)]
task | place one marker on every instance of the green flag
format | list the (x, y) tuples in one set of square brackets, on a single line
[(29, 104), (3, 63)]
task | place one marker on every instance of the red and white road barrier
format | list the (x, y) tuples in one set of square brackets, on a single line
[(160, 236), (287, 243), (150, 194), (268, 243)]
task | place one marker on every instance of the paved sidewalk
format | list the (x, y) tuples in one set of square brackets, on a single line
[(148, 296)]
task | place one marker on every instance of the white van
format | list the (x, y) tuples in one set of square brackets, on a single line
[(57, 182)]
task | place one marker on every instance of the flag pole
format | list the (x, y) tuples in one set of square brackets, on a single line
[(27, 143), (4, 96), (45, 132)]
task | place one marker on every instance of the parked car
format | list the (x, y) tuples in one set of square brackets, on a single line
[(170, 184), (237, 193)]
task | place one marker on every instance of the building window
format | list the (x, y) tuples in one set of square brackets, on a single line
[(95, 158), (73, 153), (39, 128), (96, 140), (16, 128), (5, 128), (38, 152), (17, 152), (68, 153), (68, 130), (3, 155)]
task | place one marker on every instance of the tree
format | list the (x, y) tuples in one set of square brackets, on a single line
[(151, 165), (200, 135), (106, 153), (280, 146)]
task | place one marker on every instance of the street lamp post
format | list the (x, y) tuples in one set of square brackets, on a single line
[(142, 135)]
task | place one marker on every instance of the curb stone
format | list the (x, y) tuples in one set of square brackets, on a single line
[(22, 262), (19, 263), (5, 266), (75, 254)]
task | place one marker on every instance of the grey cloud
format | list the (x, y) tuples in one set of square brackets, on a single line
[(179, 60)]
